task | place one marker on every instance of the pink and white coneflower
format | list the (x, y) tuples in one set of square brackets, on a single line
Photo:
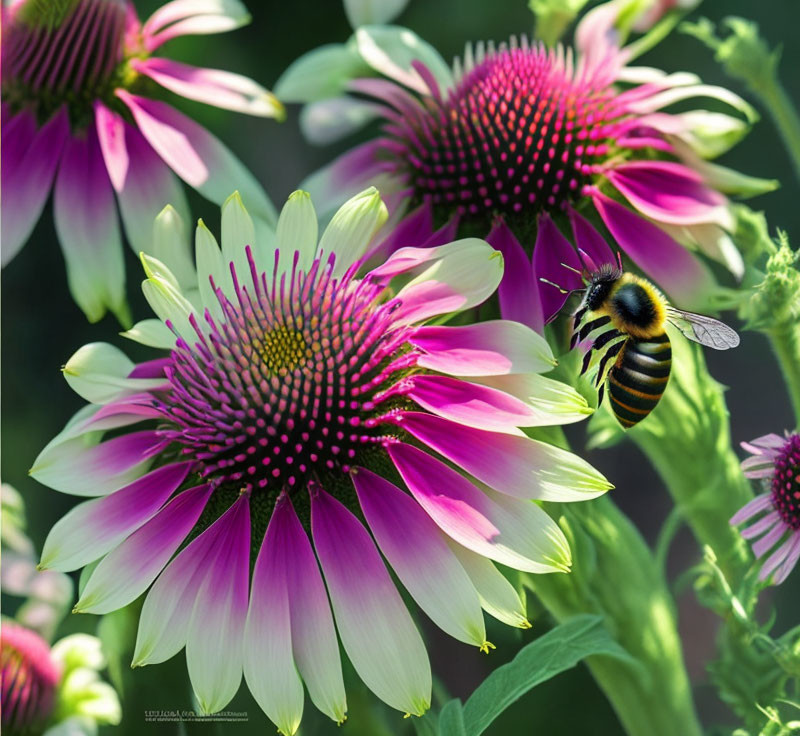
[(304, 412), (77, 117), (515, 141), (773, 516)]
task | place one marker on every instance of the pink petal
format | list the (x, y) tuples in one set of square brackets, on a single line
[(470, 403), (92, 528), (420, 557), (269, 666), (212, 86), (376, 630), (669, 192), (761, 526), (759, 503), (167, 609), (88, 229), (668, 263), (190, 17), (590, 242), (414, 229), (792, 555), (770, 539), (215, 639), (495, 347), (72, 467), (518, 291), (127, 571), (149, 185), (550, 254), (193, 153), (521, 536), (514, 465), (111, 134), (30, 158), (786, 553)]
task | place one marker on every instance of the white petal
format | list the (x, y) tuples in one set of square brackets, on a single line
[(363, 12), (171, 246), (151, 332), (297, 231), (352, 228), (238, 232), (321, 73)]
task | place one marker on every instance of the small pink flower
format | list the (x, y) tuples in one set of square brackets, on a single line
[(521, 142), (29, 680), (76, 117), (775, 460)]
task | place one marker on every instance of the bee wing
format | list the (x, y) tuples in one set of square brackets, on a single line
[(707, 331)]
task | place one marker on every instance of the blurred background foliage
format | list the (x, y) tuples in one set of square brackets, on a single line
[(42, 327)]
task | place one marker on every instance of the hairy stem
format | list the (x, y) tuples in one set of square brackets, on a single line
[(785, 116)]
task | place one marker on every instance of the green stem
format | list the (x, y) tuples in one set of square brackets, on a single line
[(785, 341), (785, 116), (616, 576), (687, 439)]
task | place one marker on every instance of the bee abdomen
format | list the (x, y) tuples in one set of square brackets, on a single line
[(638, 379)]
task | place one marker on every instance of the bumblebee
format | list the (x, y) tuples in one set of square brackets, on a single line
[(625, 317)]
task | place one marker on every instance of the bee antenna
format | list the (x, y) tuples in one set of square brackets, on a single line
[(572, 268), (619, 260), (551, 283)]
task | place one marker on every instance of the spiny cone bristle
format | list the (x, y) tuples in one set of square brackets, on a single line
[(517, 133), (786, 482), (284, 384)]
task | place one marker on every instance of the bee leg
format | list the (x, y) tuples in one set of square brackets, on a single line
[(580, 334)]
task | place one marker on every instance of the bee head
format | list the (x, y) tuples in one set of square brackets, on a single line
[(600, 283)]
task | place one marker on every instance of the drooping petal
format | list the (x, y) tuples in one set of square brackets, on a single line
[(778, 558), (30, 158), (197, 156), (321, 74), (100, 373), (269, 666), (92, 528), (497, 596), (149, 184), (470, 403), (669, 264), (314, 643), (590, 242), (495, 347), (376, 630), (392, 51), (517, 466), (549, 402), (127, 571), (88, 229), (519, 534), (189, 17), (417, 551), (212, 86), (750, 509), (765, 523), (669, 192), (97, 470), (550, 255), (215, 639), (789, 561), (111, 136), (462, 275), (518, 291)]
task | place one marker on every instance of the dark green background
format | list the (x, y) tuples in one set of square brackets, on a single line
[(41, 328)]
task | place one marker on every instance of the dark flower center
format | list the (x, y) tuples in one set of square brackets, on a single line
[(57, 53), (786, 482), (286, 383), (518, 133)]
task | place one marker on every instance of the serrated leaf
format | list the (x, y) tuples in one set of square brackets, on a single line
[(558, 650)]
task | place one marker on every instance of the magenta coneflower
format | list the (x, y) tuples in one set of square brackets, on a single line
[(300, 405), (77, 115), (775, 461), (519, 138), (29, 680)]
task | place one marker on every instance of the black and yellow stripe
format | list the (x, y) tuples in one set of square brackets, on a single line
[(638, 378)]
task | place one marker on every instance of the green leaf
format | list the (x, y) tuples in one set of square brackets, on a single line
[(556, 651), (451, 719)]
